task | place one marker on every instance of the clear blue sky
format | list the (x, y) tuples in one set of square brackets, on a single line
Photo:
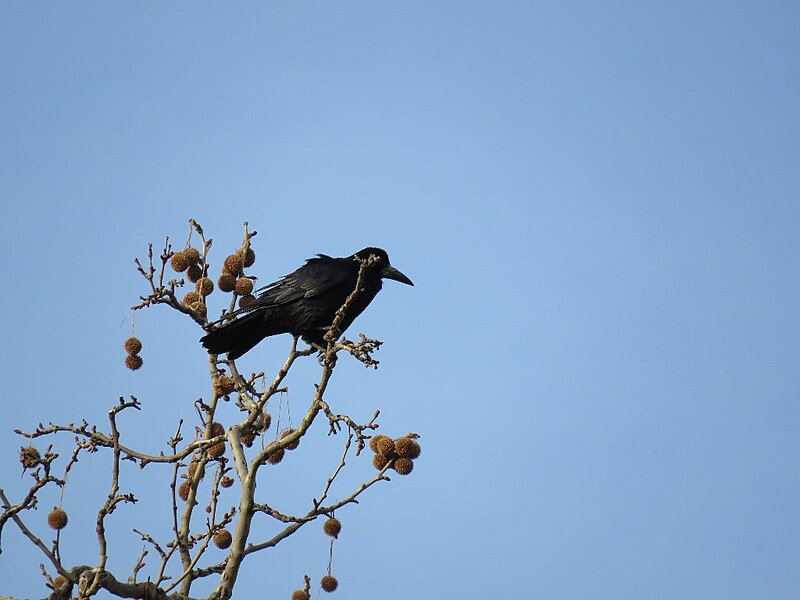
[(599, 204)]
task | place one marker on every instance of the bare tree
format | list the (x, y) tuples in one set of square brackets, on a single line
[(174, 558)]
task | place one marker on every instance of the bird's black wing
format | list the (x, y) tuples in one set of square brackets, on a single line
[(317, 276)]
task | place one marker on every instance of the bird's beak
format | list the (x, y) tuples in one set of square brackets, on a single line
[(389, 272)]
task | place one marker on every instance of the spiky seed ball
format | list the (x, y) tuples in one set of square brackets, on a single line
[(403, 465), (295, 443), (223, 539), (300, 595), (133, 362), (226, 482), (59, 582), (249, 257), (192, 468), (247, 439), (216, 450), (407, 447), (224, 385), (379, 461), (276, 457), (373, 443), (266, 421), (57, 519), (226, 282), (183, 490), (332, 527), (246, 301), (232, 264), (205, 286), (386, 448), (29, 457), (133, 345), (194, 272), (192, 255), (179, 262), (200, 308), (217, 429), (191, 297), (329, 583), (244, 285)]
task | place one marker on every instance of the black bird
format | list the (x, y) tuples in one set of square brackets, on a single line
[(305, 302)]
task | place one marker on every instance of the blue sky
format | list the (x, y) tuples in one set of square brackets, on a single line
[(597, 202)]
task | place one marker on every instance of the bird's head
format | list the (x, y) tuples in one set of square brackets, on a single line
[(385, 269)]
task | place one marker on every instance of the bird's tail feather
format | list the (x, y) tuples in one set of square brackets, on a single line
[(237, 337)]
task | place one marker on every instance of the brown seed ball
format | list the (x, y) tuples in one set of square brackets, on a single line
[(179, 262), (407, 447), (205, 286), (329, 583), (232, 264), (379, 461), (332, 527), (191, 297), (226, 282), (300, 595), (183, 490), (295, 443), (133, 362), (29, 457), (266, 421), (223, 539), (247, 439), (192, 255), (244, 285), (59, 582), (133, 345), (192, 468), (276, 457), (403, 465), (57, 519), (386, 448), (246, 301), (224, 385), (226, 482), (373, 443), (217, 429), (249, 257), (194, 273), (216, 450), (200, 308)]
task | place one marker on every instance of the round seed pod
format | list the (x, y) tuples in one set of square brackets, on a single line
[(205, 286), (266, 421), (246, 301), (192, 468), (226, 482), (244, 285), (300, 595), (192, 255), (379, 461), (223, 539), (59, 582), (403, 465), (179, 262), (57, 519), (249, 258), (194, 272), (329, 583), (373, 443), (407, 447), (133, 345), (232, 264), (191, 297), (295, 443), (216, 450), (226, 282), (217, 429), (200, 308), (332, 527), (133, 362), (224, 385), (183, 490), (276, 457), (29, 457), (247, 439), (386, 448)]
